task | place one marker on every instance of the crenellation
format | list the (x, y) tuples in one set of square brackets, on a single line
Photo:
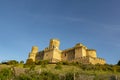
[(78, 53)]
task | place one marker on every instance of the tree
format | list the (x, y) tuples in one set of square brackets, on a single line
[(118, 63), (21, 62), (29, 61), (12, 62)]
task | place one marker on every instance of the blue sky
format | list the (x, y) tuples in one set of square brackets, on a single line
[(25, 23)]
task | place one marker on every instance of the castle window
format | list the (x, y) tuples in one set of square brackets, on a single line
[(65, 54)]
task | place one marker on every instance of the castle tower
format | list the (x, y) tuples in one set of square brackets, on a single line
[(53, 54), (54, 43), (80, 50), (32, 54)]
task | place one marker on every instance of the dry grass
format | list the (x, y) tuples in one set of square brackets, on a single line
[(63, 70)]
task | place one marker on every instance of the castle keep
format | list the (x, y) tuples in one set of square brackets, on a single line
[(78, 53)]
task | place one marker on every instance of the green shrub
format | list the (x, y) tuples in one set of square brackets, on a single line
[(23, 77), (31, 67), (21, 62), (29, 62), (12, 62), (69, 76), (48, 76), (43, 63), (65, 63), (6, 74), (58, 66)]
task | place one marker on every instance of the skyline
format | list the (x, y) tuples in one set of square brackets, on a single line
[(23, 24)]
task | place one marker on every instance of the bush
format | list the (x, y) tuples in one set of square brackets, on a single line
[(21, 62), (48, 76), (11, 62), (58, 66), (75, 63), (23, 77), (65, 63), (69, 76), (29, 62), (6, 74), (43, 63), (36, 76)]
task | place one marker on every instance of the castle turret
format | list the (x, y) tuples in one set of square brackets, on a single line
[(54, 43), (52, 53), (80, 50), (32, 54)]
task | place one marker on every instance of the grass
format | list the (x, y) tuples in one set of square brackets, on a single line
[(65, 69)]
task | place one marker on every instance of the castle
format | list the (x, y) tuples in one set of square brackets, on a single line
[(78, 53)]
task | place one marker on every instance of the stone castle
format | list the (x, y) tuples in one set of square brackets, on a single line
[(78, 53)]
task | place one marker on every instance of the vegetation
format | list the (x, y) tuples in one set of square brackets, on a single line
[(42, 70), (21, 62), (10, 62), (43, 63), (58, 66), (6, 74), (118, 63), (29, 62)]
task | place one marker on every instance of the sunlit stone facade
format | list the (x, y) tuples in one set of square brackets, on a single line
[(78, 53)]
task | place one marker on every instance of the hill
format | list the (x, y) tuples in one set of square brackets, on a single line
[(60, 71)]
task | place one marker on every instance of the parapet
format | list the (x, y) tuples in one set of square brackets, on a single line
[(54, 39), (80, 45), (91, 50), (54, 43), (69, 49)]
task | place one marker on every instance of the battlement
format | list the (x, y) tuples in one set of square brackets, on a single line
[(54, 43), (54, 39), (34, 49), (97, 60), (91, 50), (80, 45), (69, 49)]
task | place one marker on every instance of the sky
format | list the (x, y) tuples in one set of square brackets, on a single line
[(27, 23)]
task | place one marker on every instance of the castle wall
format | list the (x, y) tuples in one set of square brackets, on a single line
[(84, 60), (48, 55), (91, 53), (68, 55), (56, 55), (80, 52), (40, 56), (96, 60), (83, 51)]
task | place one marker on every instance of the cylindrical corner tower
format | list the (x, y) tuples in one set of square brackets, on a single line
[(34, 49), (54, 43), (32, 54)]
